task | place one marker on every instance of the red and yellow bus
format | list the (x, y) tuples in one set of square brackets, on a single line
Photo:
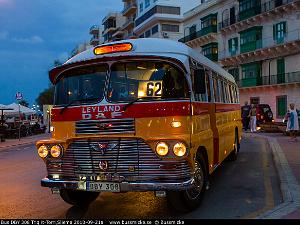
[(140, 115)]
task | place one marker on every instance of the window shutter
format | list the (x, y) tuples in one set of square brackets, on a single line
[(230, 44), (274, 32), (284, 27)]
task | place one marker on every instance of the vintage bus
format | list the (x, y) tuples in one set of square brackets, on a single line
[(140, 115)]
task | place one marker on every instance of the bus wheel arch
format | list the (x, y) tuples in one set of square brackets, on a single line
[(190, 199)]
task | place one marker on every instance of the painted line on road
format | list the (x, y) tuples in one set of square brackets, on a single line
[(269, 196)]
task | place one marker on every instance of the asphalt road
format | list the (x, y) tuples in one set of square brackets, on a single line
[(241, 189)]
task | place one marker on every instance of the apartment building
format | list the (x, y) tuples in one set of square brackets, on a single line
[(129, 12), (161, 18), (96, 33), (112, 24), (257, 41)]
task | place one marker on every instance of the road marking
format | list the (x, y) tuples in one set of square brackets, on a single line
[(269, 197)]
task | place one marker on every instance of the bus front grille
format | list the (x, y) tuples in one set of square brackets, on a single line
[(107, 126), (131, 159)]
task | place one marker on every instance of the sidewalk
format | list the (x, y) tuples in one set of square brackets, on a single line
[(25, 140), (286, 156)]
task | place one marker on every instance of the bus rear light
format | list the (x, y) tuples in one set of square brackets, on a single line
[(107, 49)]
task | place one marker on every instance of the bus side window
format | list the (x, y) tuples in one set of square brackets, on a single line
[(208, 89), (199, 85), (216, 89)]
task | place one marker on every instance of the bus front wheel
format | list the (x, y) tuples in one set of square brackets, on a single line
[(78, 198), (190, 199)]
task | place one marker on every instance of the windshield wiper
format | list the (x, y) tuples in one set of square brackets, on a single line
[(75, 101), (137, 99)]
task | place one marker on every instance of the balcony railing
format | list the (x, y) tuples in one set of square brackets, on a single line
[(284, 78), (128, 7), (200, 33), (267, 42), (94, 29), (261, 8), (128, 22)]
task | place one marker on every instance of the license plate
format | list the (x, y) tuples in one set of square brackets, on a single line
[(103, 186)]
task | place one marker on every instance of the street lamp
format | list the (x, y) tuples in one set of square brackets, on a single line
[(48, 119)]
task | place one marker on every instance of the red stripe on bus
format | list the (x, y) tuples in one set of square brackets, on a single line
[(137, 110)]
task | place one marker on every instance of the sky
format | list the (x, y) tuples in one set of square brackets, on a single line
[(34, 33)]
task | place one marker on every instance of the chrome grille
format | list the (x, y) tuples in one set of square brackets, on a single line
[(82, 159), (112, 126)]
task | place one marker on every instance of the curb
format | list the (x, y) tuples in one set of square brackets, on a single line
[(288, 183), (22, 143)]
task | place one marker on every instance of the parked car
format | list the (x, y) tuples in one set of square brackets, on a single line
[(264, 114)]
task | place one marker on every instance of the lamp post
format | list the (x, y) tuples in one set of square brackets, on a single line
[(48, 119)]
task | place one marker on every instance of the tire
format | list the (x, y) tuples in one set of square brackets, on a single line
[(234, 154), (78, 198), (188, 200)]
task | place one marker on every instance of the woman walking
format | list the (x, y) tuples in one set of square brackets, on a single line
[(252, 115), (293, 123)]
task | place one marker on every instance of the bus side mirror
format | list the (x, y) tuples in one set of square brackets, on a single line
[(199, 79)]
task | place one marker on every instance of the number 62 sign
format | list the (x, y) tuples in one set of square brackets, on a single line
[(150, 89)]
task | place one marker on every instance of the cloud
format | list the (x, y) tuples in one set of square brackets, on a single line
[(30, 40)]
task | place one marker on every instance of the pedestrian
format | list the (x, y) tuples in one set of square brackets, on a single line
[(292, 122), (252, 114), (245, 116)]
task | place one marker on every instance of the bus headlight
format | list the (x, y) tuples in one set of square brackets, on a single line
[(179, 149), (56, 151), (43, 151), (162, 149)]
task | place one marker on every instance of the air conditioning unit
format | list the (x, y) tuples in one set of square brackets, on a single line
[(165, 35)]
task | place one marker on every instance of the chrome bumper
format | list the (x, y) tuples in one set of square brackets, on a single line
[(124, 186)]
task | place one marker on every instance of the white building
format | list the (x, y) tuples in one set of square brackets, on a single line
[(161, 18), (96, 33), (258, 41), (113, 23), (129, 12)]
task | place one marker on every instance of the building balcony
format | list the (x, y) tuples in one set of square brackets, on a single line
[(277, 79), (95, 41), (128, 24), (129, 9), (94, 30), (201, 37), (212, 57), (109, 30), (119, 34), (258, 14), (264, 49)]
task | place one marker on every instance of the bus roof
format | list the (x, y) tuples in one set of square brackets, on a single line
[(157, 47)]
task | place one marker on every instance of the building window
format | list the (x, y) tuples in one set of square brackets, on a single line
[(154, 29), (148, 33), (170, 27), (210, 20), (141, 7), (280, 71), (251, 74), (279, 32), (235, 73), (251, 39), (147, 3), (233, 46), (281, 106), (211, 51), (248, 8)]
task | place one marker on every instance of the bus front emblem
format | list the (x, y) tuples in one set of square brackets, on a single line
[(103, 165), (103, 126)]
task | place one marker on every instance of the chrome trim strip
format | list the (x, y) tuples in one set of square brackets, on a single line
[(124, 186)]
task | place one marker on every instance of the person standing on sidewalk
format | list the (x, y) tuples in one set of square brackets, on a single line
[(252, 115), (293, 123), (245, 115)]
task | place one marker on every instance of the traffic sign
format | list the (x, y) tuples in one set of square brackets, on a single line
[(19, 96)]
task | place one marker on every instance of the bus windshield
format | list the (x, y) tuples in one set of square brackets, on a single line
[(84, 85), (141, 80)]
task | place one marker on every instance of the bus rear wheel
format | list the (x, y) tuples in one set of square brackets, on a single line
[(236, 148), (78, 198), (190, 199)]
